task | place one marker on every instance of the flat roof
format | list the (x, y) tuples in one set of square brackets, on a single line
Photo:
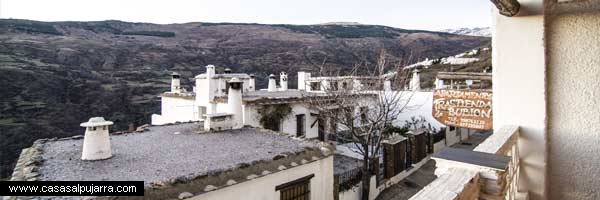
[(232, 75), (464, 76), (161, 154)]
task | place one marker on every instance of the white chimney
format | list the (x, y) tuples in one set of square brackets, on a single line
[(387, 85), (272, 84), (415, 82), (210, 70), (234, 102), (302, 78), (96, 142), (439, 84), (252, 83), (283, 81), (175, 83), (205, 89)]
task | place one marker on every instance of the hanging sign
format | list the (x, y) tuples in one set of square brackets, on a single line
[(463, 108)]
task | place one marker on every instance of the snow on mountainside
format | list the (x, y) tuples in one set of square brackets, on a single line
[(459, 59), (477, 31)]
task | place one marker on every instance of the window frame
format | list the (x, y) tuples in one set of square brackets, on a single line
[(292, 186)]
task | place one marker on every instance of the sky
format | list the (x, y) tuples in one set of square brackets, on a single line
[(409, 14)]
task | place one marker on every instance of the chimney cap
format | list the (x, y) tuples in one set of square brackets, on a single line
[(272, 76), (235, 80), (227, 70), (96, 121), (252, 76)]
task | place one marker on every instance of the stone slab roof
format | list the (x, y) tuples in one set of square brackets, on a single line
[(226, 76), (174, 156)]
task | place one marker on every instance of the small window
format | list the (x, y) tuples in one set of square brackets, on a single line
[(333, 85), (296, 190), (363, 115), (274, 126), (452, 128), (315, 86), (202, 112), (300, 124)]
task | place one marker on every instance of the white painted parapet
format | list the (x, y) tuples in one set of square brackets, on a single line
[(96, 142), (495, 161), (302, 78), (218, 122), (272, 84), (456, 184)]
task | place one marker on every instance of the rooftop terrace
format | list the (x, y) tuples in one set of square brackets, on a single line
[(165, 152)]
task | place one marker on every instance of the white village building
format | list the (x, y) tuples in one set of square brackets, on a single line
[(217, 97)]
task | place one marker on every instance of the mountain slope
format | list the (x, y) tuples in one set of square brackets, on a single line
[(57, 75), (477, 31)]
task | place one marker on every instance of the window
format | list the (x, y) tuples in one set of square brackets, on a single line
[(300, 125), (274, 126), (298, 189), (315, 86), (202, 112), (363, 115), (332, 126), (333, 85)]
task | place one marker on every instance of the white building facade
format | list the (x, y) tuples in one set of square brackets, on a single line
[(215, 97)]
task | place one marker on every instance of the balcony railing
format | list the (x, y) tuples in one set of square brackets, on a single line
[(490, 171)]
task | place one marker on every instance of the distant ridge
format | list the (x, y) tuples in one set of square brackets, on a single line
[(342, 23), (477, 31)]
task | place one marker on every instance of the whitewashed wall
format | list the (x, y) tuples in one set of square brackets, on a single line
[(352, 194), (519, 87), (419, 104), (573, 59), (263, 188), (175, 109), (289, 124)]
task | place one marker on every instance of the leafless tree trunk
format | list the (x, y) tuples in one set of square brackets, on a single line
[(359, 108)]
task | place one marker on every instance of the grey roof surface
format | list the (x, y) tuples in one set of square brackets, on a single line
[(288, 94), (232, 75), (342, 164), (474, 157), (159, 154)]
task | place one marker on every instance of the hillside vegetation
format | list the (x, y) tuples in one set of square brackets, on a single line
[(57, 75)]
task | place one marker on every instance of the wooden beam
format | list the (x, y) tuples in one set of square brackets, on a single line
[(507, 8)]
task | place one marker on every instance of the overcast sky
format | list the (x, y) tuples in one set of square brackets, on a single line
[(409, 14)]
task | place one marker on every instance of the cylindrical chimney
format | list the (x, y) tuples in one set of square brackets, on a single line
[(234, 102), (272, 84), (283, 81), (387, 85), (252, 83), (96, 142), (175, 83), (415, 82)]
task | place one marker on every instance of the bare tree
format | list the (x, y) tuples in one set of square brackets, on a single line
[(359, 107)]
